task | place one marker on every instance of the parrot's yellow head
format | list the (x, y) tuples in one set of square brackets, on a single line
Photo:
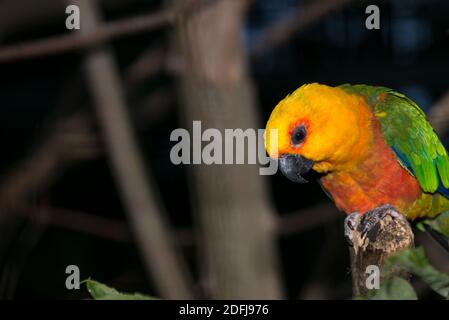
[(318, 127)]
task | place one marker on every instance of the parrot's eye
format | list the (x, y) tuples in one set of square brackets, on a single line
[(298, 135)]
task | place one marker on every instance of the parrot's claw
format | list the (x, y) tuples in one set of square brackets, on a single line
[(351, 223), (368, 224), (371, 219)]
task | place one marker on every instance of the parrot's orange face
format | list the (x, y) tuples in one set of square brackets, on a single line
[(318, 127)]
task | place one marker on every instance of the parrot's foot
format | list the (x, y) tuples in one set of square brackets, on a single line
[(367, 226), (374, 236), (351, 222)]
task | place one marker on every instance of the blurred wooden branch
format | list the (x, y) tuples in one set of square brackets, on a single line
[(70, 140), (291, 224), (147, 218), (26, 15), (237, 225), (106, 228), (285, 28), (439, 115), (274, 35), (374, 237), (148, 63), (77, 40), (71, 137), (306, 219)]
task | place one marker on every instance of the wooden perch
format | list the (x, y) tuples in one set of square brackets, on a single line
[(373, 237)]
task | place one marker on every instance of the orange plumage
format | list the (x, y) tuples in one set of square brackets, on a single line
[(346, 145)]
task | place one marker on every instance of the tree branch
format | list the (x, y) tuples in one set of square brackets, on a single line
[(70, 140), (25, 15), (237, 226), (114, 230), (145, 212), (374, 237), (306, 219), (78, 40)]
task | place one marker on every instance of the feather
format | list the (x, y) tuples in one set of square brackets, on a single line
[(410, 136)]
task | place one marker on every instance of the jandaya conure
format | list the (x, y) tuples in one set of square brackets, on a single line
[(370, 145)]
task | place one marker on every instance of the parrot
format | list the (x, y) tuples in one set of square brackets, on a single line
[(370, 146)]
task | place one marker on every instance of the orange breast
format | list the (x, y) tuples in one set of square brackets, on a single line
[(376, 180)]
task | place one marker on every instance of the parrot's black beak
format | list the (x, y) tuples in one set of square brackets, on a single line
[(294, 166)]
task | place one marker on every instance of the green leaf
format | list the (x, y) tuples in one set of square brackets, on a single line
[(395, 288), (420, 226), (100, 291), (415, 261)]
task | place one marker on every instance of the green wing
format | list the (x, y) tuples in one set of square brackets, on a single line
[(409, 134)]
